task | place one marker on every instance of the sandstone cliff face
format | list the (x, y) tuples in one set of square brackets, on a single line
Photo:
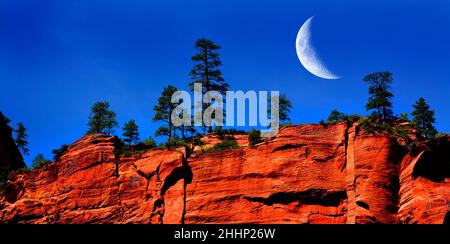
[(425, 184), (306, 174), (91, 184)]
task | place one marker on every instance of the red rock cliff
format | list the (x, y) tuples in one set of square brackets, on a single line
[(306, 174)]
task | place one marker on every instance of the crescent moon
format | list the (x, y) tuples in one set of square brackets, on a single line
[(307, 54)]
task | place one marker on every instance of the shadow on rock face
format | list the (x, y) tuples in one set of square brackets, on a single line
[(447, 218), (434, 164), (12, 192)]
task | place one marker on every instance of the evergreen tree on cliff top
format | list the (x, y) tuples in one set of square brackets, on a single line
[(207, 69), (163, 111), (423, 119), (284, 108), (102, 120), (131, 132), (380, 96), (21, 138)]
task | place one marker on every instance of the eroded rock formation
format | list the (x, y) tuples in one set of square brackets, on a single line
[(306, 174)]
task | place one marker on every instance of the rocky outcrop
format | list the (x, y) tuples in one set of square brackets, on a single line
[(92, 184), (425, 184), (306, 174)]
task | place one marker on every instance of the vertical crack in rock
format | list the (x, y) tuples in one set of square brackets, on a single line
[(350, 173), (345, 145), (117, 161), (187, 180), (184, 172), (117, 148)]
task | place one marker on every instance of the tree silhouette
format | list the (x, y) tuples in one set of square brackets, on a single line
[(40, 161), (131, 132), (101, 119), (21, 138), (423, 119), (207, 69), (380, 99), (284, 108), (57, 153), (163, 111)]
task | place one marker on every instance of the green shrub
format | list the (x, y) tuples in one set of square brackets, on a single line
[(404, 117), (173, 143), (24, 169), (403, 133), (150, 142), (336, 116), (286, 124), (228, 143), (352, 118), (222, 133), (372, 125), (254, 137), (57, 153), (145, 145), (322, 122), (40, 161)]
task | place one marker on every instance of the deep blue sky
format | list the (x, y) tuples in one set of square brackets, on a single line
[(59, 57)]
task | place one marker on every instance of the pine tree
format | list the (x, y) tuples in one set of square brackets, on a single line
[(131, 132), (423, 119), (380, 99), (21, 138), (101, 120), (284, 108), (163, 111), (207, 69)]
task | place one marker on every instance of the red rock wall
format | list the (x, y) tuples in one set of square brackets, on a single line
[(425, 184), (372, 178), (298, 177), (306, 174), (92, 185)]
